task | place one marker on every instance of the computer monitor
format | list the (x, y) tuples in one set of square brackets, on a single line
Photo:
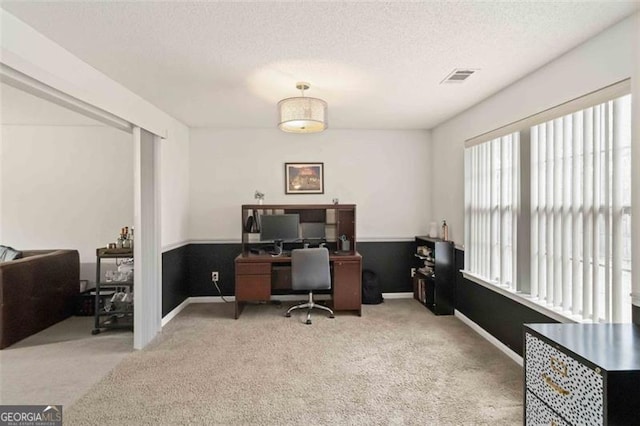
[(279, 227), (313, 230)]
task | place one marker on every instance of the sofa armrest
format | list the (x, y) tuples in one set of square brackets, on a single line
[(37, 291)]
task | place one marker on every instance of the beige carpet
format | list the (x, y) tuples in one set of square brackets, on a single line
[(397, 364), (60, 364)]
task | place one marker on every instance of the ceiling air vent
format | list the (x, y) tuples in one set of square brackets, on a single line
[(458, 75)]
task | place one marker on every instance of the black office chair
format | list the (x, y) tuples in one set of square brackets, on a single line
[(310, 271)]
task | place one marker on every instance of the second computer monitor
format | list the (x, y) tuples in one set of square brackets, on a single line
[(313, 230)]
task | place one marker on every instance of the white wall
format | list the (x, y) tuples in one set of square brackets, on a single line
[(385, 173), (65, 187), (602, 60), (29, 52), (174, 187)]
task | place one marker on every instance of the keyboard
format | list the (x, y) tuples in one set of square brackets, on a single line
[(285, 253)]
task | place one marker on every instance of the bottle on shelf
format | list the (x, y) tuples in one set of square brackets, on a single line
[(120, 241), (126, 243), (131, 238), (445, 230)]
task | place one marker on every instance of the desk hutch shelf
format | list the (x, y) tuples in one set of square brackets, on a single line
[(339, 220)]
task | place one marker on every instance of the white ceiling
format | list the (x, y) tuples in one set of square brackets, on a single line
[(378, 65)]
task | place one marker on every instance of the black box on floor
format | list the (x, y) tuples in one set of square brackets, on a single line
[(86, 302)]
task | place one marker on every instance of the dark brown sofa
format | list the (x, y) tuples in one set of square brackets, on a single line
[(37, 291)]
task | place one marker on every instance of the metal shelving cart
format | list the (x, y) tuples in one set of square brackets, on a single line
[(112, 313)]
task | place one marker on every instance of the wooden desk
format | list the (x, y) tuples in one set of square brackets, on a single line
[(254, 278)]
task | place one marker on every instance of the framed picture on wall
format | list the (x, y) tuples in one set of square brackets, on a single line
[(304, 178)]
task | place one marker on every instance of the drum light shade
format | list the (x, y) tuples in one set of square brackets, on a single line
[(302, 114)]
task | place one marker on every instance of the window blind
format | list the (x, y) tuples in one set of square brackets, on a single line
[(580, 212), (491, 195)]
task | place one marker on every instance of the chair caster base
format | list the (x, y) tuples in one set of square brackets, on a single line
[(308, 322), (288, 315), (331, 316)]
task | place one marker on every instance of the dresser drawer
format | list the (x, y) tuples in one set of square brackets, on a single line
[(569, 387), (537, 413), (250, 268)]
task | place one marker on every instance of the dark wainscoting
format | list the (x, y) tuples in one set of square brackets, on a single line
[(391, 261), (499, 315), (206, 258), (175, 278)]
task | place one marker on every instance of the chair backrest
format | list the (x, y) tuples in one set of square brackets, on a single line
[(310, 269)]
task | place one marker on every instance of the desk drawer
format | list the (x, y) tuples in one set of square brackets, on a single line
[(537, 413), (347, 285), (250, 268), (253, 287), (569, 387)]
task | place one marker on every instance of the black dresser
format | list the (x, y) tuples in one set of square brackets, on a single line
[(582, 374)]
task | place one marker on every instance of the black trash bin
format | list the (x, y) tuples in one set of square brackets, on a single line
[(371, 290)]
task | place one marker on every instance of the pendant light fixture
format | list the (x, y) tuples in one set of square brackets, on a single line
[(302, 114)]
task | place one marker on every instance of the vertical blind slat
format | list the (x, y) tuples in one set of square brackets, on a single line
[(576, 283), (514, 202), (542, 253), (567, 225), (587, 194), (616, 212), (596, 299), (558, 176), (535, 211), (606, 209), (550, 208)]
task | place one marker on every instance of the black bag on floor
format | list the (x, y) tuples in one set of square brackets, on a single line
[(371, 291)]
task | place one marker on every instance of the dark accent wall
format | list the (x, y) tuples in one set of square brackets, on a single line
[(175, 278), (391, 261), (499, 315), (206, 258), (187, 270), (635, 314)]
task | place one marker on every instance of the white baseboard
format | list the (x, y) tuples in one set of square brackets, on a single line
[(171, 315), (406, 295), (484, 333), (280, 297), (210, 299)]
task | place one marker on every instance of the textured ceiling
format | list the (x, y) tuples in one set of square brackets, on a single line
[(378, 65)]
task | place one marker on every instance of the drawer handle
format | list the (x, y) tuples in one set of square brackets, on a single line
[(556, 387), (558, 366)]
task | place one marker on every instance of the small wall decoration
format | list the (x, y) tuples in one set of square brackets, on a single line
[(304, 178)]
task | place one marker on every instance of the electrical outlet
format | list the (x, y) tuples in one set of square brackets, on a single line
[(413, 272), (214, 276)]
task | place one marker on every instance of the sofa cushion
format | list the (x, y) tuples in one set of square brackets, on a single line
[(7, 253)]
